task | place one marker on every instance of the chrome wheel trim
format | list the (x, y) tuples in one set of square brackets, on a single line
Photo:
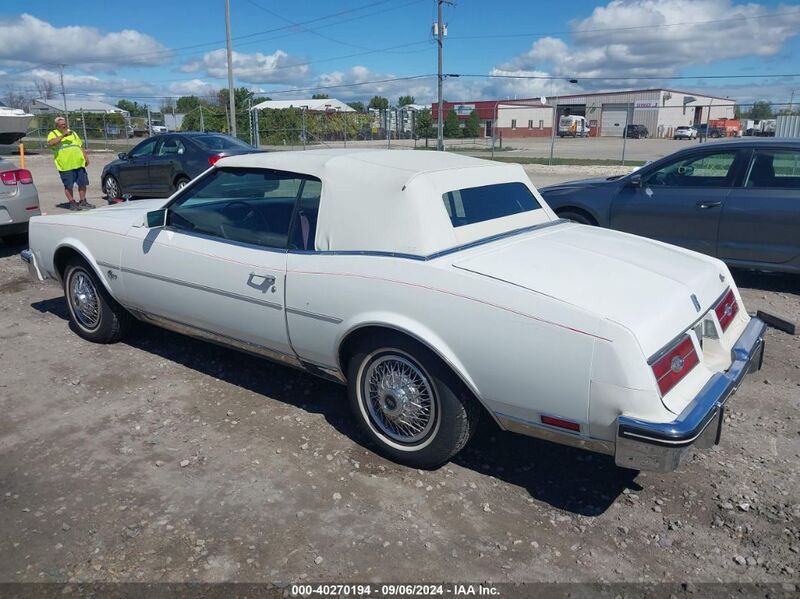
[(397, 399), (182, 183), (111, 188), (84, 301)]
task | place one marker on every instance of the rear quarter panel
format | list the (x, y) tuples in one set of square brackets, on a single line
[(522, 354)]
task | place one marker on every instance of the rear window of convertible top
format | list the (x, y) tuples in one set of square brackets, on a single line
[(487, 202)]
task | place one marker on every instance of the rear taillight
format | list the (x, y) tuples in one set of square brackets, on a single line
[(212, 160), (21, 175), (727, 309), (679, 360)]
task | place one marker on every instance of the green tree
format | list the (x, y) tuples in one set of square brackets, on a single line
[(405, 100), (451, 125), (760, 109), (424, 124), (320, 97), (357, 106), (134, 108), (472, 127), (379, 102), (186, 104), (240, 96)]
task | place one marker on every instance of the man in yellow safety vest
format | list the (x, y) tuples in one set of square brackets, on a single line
[(71, 162)]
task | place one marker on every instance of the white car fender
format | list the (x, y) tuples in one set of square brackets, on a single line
[(412, 328), (83, 251)]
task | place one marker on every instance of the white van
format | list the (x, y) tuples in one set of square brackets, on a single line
[(573, 126)]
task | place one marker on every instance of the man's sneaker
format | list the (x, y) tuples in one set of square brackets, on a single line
[(73, 206), (84, 205)]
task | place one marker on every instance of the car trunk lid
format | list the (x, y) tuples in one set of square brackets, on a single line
[(644, 285)]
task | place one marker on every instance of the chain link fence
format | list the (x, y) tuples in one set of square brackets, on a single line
[(632, 135)]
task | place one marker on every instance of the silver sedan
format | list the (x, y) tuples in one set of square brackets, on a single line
[(19, 201)]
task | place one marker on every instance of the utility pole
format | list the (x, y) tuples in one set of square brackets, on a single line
[(202, 123), (149, 123), (63, 93), (231, 97), (83, 122), (791, 102), (440, 41)]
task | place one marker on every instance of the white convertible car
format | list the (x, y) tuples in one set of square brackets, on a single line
[(438, 287)]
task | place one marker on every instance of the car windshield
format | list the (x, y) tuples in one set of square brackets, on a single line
[(221, 142), (478, 204)]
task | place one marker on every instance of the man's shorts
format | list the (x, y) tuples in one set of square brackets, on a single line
[(74, 177)]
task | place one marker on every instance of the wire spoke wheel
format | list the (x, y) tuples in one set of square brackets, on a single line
[(399, 398), (84, 300)]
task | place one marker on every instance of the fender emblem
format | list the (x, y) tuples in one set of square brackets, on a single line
[(696, 302), (111, 275)]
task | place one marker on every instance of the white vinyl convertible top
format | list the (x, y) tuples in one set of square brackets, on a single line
[(391, 200)]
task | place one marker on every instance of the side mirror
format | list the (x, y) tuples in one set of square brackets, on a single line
[(122, 156), (635, 181), (156, 218)]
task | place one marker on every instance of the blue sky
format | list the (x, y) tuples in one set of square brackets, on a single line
[(151, 49)]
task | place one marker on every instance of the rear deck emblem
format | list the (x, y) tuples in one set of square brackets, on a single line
[(696, 302)]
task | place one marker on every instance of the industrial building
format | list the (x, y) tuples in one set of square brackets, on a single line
[(607, 113), (56, 106), (313, 105)]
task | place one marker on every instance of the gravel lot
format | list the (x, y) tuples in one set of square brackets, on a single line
[(164, 458)]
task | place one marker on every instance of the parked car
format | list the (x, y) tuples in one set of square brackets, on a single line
[(438, 287), (163, 163), (156, 129), (714, 132), (737, 200), (684, 132), (636, 132), (19, 201)]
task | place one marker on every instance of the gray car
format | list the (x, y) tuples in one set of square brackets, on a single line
[(19, 201), (738, 200)]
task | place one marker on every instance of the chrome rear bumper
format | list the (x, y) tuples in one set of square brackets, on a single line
[(30, 260), (659, 446)]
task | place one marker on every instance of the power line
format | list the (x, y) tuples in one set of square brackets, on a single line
[(626, 78), (579, 32), (193, 47)]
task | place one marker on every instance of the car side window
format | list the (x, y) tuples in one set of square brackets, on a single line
[(253, 206), (172, 146), (706, 170), (143, 149), (774, 169), (304, 224)]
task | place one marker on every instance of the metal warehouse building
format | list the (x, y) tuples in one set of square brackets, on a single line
[(607, 113)]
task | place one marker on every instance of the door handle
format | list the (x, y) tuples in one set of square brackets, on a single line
[(261, 282), (706, 205)]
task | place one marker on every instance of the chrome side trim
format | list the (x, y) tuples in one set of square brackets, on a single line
[(30, 261), (532, 429), (314, 315), (214, 337), (659, 445), (213, 290)]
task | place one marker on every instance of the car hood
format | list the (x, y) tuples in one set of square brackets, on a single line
[(128, 211), (643, 285)]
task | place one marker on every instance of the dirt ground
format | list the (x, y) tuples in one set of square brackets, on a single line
[(164, 458)]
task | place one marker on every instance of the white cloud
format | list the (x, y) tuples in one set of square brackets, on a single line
[(29, 40), (89, 84), (277, 67), (650, 48), (422, 89), (193, 87)]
